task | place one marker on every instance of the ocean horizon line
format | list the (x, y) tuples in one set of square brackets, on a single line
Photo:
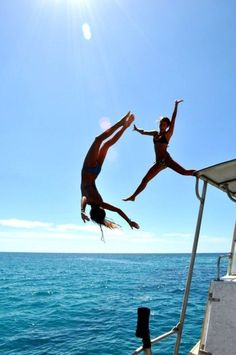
[(108, 253)]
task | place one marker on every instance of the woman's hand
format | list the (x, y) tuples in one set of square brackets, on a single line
[(178, 101), (133, 224), (84, 217)]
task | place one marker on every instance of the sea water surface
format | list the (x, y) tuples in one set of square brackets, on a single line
[(87, 303)]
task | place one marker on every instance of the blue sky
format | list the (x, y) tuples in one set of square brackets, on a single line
[(60, 80)]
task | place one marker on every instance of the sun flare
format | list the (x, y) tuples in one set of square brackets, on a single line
[(86, 31)]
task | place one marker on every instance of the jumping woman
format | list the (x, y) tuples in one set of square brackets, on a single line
[(91, 168), (161, 140)]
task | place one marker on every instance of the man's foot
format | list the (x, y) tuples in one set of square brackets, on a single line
[(129, 198)]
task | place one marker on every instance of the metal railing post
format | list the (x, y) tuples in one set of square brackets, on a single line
[(191, 266)]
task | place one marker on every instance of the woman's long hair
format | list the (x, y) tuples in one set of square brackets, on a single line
[(98, 215)]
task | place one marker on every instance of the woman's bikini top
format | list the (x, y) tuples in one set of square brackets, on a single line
[(160, 138), (92, 169)]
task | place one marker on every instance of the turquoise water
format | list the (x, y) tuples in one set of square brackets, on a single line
[(87, 303)]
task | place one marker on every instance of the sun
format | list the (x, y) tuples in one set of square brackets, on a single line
[(81, 10)]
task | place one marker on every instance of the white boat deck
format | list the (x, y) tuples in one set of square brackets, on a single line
[(222, 176)]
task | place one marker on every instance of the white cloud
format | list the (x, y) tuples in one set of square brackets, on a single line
[(37, 236), (73, 228), (35, 225), (21, 223), (177, 235)]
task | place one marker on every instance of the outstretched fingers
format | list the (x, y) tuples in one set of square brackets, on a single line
[(84, 217), (134, 225), (179, 101)]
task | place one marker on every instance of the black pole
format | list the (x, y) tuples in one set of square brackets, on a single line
[(142, 330)]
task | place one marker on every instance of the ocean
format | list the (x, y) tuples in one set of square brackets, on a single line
[(87, 303)]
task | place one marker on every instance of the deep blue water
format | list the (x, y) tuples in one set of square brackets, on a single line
[(87, 303)]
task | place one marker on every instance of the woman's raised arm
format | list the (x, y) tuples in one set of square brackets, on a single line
[(172, 121)]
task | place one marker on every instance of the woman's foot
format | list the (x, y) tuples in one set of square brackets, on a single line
[(129, 120), (131, 198), (123, 119)]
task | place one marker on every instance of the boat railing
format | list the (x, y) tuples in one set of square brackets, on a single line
[(232, 261), (174, 330), (229, 256)]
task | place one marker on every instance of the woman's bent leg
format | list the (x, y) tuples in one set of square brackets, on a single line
[(178, 168)]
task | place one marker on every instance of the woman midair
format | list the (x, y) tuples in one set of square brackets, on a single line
[(91, 168), (161, 140)]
